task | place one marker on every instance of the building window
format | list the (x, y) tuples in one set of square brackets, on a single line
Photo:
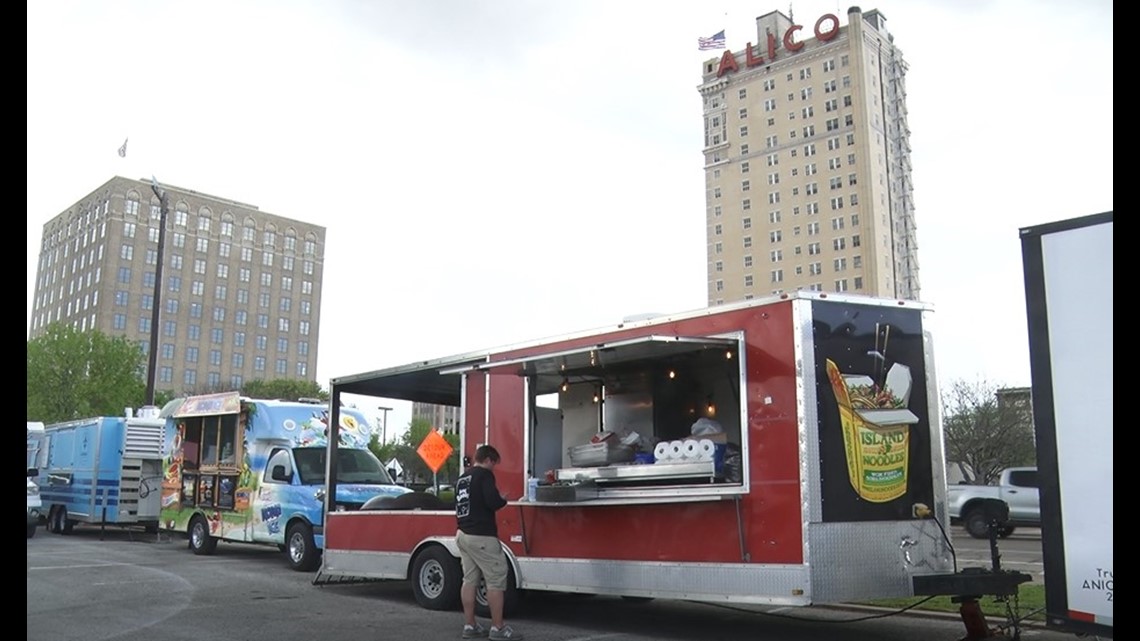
[(773, 217), (745, 204), (776, 255), (744, 131), (745, 185), (774, 236), (854, 199), (813, 249), (748, 280), (839, 244), (716, 230), (719, 266), (805, 93), (770, 104), (811, 189), (841, 285), (777, 275), (829, 65), (747, 242), (747, 223), (743, 167), (743, 150), (858, 282), (837, 223), (769, 84), (771, 141), (840, 264), (855, 242), (748, 260), (812, 208), (813, 228), (742, 94), (846, 101), (773, 197)]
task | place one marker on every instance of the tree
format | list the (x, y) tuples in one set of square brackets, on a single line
[(988, 428), (74, 374), (404, 451), (284, 388)]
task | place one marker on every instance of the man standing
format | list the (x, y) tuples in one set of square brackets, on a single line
[(477, 498)]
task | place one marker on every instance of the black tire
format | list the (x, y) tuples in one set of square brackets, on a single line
[(151, 528), (511, 596), (976, 525), (31, 530), (63, 525), (300, 548), (636, 599), (436, 578), (1006, 531), (52, 521), (201, 542)]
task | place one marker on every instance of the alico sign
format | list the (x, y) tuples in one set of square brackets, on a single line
[(826, 28)]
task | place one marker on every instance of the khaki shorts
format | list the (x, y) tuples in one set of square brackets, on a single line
[(482, 556)]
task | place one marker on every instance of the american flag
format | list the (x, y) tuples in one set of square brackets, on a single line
[(714, 42)]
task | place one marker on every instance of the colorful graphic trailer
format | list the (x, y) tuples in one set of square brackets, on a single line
[(832, 471), (253, 471)]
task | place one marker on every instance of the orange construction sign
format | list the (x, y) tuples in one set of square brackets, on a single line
[(434, 450)]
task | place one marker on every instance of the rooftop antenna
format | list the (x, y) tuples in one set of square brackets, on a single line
[(791, 14)]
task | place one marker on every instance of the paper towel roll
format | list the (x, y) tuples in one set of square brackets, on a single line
[(661, 452), (707, 450), (690, 450), (675, 451)]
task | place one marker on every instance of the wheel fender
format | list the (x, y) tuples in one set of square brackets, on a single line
[(448, 542)]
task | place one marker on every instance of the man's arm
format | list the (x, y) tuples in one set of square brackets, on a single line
[(491, 496)]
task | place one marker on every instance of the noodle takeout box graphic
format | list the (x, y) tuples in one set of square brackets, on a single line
[(876, 430)]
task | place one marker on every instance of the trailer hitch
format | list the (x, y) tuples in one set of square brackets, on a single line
[(970, 584)]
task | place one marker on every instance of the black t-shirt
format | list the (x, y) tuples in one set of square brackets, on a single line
[(476, 500)]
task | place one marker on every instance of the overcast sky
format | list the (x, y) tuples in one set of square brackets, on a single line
[(494, 171)]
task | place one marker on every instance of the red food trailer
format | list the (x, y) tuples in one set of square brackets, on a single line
[(779, 451)]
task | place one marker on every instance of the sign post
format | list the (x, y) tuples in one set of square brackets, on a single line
[(434, 450)]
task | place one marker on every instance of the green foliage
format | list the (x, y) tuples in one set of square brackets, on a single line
[(404, 451), (285, 389), (74, 374), (987, 429)]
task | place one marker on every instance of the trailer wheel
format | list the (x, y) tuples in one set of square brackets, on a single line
[(301, 550), (976, 525), (52, 525), (62, 525), (436, 577), (201, 542), (510, 597), (31, 530)]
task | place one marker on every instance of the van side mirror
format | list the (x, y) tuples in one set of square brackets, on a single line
[(279, 474), (33, 472)]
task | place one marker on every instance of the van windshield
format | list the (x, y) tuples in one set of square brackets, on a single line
[(353, 466)]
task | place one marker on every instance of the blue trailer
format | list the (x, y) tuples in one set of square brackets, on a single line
[(105, 470)]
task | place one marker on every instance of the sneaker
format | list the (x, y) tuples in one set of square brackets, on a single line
[(476, 631), (505, 633)]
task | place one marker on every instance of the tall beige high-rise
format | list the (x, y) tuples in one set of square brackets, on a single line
[(807, 161), (241, 297)]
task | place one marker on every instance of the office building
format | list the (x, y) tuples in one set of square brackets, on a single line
[(241, 297), (444, 418), (807, 162)]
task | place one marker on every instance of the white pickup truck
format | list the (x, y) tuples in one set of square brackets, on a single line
[(1017, 487)]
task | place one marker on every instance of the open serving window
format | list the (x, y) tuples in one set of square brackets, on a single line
[(635, 417), (210, 436)]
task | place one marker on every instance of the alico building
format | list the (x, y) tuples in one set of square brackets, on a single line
[(807, 161)]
